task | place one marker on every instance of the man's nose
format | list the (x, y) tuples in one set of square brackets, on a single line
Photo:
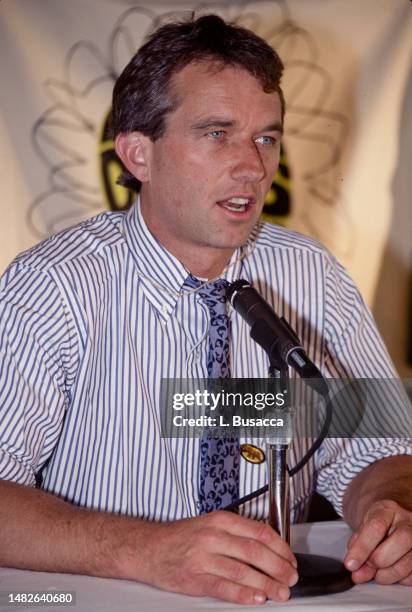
[(247, 164)]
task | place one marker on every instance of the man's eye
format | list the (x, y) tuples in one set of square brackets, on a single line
[(216, 134), (266, 140)]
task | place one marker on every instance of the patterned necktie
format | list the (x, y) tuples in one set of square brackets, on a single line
[(219, 457)]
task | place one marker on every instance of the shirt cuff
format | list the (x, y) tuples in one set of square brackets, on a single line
[(14, 470), (334, 479)]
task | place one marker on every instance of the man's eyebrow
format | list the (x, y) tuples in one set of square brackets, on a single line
[(218, 122), (209, 122), (273, 127)]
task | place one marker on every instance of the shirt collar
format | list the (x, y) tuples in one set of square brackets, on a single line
[(161, 273)]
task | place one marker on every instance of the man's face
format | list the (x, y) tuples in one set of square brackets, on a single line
[(209, 173)]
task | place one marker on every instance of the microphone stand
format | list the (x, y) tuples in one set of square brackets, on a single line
[(318, 575), (279, 516)]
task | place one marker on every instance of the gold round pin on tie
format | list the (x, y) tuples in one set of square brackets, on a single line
[(252, 453)]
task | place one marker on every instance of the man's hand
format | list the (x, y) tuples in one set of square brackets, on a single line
[(220, 555), (381, 547)]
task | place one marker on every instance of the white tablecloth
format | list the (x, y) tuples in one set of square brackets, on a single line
[(104, 595)]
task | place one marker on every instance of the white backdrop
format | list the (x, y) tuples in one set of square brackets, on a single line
[(348, 131)]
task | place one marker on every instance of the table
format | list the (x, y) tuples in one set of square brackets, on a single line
[(107, 595)]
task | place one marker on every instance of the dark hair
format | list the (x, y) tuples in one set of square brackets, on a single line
[(142, 95)]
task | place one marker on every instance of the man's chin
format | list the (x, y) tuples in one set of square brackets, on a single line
[(233, 242), (228, 245)]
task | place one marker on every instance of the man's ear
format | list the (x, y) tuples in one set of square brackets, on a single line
[(133, 149)]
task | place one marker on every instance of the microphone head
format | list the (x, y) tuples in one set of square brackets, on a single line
[(235, 287)]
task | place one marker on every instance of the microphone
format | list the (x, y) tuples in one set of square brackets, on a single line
[(274, 334)]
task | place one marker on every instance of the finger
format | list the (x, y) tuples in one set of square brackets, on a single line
[(396, 546), (400, 570), (227, 590), (364, 574), (254, 553), (247, 528), (370, 535), (244, 575), (352, 539)]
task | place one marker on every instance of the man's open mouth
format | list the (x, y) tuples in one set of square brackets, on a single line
[(236, 204)]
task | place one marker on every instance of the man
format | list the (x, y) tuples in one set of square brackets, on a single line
[(95, 317)]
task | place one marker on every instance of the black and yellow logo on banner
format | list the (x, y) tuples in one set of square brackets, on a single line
[(277, 202), (116, 196), (278, 199)]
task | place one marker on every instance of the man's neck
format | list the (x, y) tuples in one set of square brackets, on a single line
[(201, 261), (206, 267)]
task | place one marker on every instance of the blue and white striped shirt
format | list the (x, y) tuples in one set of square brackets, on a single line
[(93, 318)]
